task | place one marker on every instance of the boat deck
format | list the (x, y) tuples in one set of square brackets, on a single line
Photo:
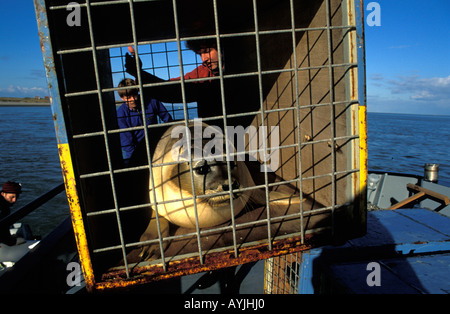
[(408, 248)]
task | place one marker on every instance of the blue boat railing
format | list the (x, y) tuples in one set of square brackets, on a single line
[(30, 207)]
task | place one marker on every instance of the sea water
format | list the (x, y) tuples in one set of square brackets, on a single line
[(29, 154), (404, 143)]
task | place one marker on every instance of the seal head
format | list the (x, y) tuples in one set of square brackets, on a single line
[(202, 191)]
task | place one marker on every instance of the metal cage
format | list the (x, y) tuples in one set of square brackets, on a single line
[(291, 70), (282, 274)]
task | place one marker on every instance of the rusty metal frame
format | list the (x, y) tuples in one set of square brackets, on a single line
[(127, 276)]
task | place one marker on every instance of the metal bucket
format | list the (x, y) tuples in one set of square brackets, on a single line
[(431, 172)]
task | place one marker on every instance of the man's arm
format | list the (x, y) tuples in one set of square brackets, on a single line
[(163, 113), (167, 93)]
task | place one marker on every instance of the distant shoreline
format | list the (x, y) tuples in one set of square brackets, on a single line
[(13, 101)]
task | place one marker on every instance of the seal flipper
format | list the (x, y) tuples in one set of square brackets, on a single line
[(276, 198), (284, 199), (152, 251)]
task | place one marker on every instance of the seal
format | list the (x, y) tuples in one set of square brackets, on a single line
[(214, 191), (208, 197)]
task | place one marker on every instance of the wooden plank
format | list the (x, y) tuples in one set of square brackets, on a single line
[(408, 200), (411, 275), (411, 246), (433, 220), (432, 194), (398, 232), (351, 278), (420, 193)]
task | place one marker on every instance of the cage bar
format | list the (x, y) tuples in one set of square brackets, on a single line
[(286, 88), (282, 274)]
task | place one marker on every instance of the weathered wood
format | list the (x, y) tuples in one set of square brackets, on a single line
[(431, 194), (421, 193), (408, 200)]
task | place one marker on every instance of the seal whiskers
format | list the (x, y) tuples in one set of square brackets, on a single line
[(214, 191)]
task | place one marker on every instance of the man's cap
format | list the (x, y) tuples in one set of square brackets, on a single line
[(12, 187)]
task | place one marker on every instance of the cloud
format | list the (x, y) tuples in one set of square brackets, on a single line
[(37, 73), (391, 104), (23, 91), (436, 89), (376, 77), (400, 47), (409, 94)]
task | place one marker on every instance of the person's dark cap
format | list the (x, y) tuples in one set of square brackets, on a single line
[(12, 187), (198, 45)]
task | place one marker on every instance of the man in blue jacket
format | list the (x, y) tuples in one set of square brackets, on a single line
[(129, 115)]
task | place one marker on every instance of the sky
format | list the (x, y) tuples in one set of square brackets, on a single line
[(407, 55)]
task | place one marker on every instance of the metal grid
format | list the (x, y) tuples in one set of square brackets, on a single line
[(336, 188), (282, 274), (159, 60)]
